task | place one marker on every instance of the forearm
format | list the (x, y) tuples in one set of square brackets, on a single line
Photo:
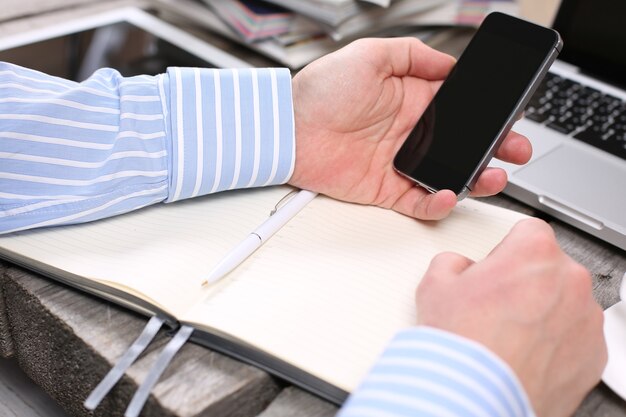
[(73, 152), (425, 371)]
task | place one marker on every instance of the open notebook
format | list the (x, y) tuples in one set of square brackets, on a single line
[(315, 305)]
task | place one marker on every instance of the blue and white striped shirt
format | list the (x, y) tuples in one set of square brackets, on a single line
[(78, 152), (429, 372), (75, 152)]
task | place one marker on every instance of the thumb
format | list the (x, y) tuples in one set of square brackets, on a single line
[(410, 56), (442, 272), (440, 278), (448, 263)]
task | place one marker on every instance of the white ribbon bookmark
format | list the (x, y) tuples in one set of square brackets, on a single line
[(164, 359), (127, 359)]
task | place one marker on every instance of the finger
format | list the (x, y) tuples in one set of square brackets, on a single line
[(490, 182), (410, 56), (532, 235), (440, 275), (434, 86), (447, 263), (515, 149), (418, 203)]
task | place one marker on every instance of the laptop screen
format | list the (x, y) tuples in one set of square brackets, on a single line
[(594, 37)]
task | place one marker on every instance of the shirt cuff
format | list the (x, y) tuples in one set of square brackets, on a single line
[(426, 371), (229, 128)]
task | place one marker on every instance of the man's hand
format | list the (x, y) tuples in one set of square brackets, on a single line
[(531, 305), (354, 108)]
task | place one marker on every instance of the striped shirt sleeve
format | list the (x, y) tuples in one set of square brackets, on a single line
[(430, 372), (76, 152), (230, 129)]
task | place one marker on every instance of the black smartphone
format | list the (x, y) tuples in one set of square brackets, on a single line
[(477, 104)]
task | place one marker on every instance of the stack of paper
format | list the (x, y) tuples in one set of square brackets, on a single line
[(253, 19), (318, 27), (331, 12), (379, 18)]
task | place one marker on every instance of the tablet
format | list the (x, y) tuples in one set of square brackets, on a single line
[(128, 39)]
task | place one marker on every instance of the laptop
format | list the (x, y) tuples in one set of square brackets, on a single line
[(576, 122)]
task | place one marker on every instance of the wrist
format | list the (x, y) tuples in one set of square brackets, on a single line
[(504, 381), (424, 368)]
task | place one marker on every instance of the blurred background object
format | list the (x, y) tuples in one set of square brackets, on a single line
[(294, 33)]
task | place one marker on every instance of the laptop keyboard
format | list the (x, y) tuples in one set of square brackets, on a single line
[(582, 112)]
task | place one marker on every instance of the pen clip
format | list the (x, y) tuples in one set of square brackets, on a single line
[(282, 201)]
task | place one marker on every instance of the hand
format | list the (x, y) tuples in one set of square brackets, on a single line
[(530, 304), (354, 108)]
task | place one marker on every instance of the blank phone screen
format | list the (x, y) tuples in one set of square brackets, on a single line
[(475, 103)]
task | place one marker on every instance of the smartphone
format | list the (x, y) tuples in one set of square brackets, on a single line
[(477, 104)]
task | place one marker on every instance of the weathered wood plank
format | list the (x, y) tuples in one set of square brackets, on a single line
[(20, 397), (6, 343), (66, 341), (294, 402), (602, 402), (606, 263)]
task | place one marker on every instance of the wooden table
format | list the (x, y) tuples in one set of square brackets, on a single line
[(66, 340)]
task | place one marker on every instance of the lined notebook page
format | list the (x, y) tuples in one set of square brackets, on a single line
[(330, 289), (160, 253)]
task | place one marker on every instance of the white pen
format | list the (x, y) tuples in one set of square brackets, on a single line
[(260, 235), (622, 291)]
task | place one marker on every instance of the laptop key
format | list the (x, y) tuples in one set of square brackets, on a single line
[(586, 113), (563, 126), (537, 116), (607, 141), (568, 123)]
